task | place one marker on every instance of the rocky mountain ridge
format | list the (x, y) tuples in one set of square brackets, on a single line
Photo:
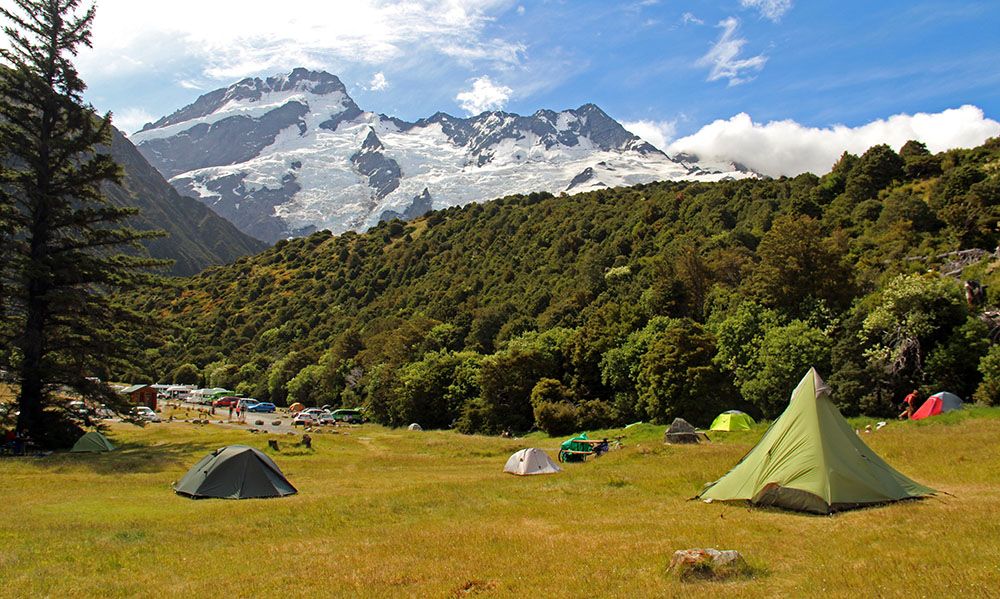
[(291, 154)]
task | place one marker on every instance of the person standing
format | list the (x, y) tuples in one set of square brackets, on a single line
[(908, 401)]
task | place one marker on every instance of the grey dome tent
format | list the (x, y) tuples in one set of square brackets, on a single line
[(415, 427), (92, 442), (681, 431), (234, 472)]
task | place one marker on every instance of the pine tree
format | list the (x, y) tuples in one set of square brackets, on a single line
[(63, 263)]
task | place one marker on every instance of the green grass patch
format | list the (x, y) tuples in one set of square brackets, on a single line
[(390, 513)]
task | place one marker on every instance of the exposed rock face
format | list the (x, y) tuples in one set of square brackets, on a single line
[(421, 205), (229, 141), (293, 153), (383, 173)]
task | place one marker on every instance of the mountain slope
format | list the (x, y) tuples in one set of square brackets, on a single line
[(197, 237), (368, 319), (292, 154)]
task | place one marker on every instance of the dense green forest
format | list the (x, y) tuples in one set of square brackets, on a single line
[(640, 303)]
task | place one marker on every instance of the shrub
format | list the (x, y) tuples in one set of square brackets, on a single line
[(556, 418)]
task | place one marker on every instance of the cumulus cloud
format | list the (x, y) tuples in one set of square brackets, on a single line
[(131, 120), (724, 57), (378, 82), (658, 133), (484, 95), (788, 148), (229, 41), (769, 9)]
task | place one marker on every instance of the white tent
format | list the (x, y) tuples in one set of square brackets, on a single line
[(415, 427), (531, 461)]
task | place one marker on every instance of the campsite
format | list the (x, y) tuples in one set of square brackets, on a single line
[(83, 524)]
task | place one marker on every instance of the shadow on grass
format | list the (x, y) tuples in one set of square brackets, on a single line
[(131, 458), (744, 505)]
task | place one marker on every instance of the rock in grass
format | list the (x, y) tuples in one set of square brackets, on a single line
[(708, 564), (276, 423)]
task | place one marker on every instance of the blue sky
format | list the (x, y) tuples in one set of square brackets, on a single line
[(675, 66)]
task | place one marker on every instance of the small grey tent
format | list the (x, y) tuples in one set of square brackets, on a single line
[(415, 427), (92, 442), (234, 472), (531, 461), (681, 431)]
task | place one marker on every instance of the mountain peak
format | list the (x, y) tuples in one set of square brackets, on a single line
[(293, 152), (252, 89)]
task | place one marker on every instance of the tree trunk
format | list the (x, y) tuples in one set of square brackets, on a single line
[(31, 396)]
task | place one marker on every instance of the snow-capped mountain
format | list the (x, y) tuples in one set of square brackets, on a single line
[(293, 153)]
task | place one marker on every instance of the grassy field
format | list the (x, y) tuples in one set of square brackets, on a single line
[(393, 513)]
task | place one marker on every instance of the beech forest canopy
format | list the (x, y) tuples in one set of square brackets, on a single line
[(657, 301)]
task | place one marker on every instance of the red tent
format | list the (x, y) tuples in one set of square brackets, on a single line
[(936, 404)]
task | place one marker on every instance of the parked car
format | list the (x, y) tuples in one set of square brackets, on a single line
[(262, 406), (348, 415), (246, 404), (146, 413), (327, 418), (313, 411), (78, 407), (225, 402), (304, 419)]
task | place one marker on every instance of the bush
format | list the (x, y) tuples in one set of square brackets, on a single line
[(186, 374), (595, 414), (988, 392), (556, 418), (549, 391)]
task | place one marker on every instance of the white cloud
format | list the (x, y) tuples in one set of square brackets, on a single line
[(378, 82), (788, 148), (724, 56), (131, 120), (690, 18), (658, 133), (520, 10), (770, 9), (228, 41), (189, 84), (484, 95)]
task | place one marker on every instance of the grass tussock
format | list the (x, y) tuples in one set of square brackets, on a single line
[(396, 513)]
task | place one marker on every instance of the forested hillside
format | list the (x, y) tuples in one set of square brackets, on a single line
[(641, 303)]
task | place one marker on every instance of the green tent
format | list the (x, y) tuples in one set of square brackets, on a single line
[(811, 460), (92, 442), (234, 472), (733, 420)]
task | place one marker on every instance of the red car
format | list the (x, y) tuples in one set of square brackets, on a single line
[(226, 402)]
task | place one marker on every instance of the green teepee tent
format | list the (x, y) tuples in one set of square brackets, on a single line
[(92, 442), (732, 420), (234, 472), (811, 460)]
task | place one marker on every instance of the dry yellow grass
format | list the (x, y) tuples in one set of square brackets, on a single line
[(393, 513)]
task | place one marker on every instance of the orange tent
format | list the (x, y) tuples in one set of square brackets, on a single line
[(296, 407)]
